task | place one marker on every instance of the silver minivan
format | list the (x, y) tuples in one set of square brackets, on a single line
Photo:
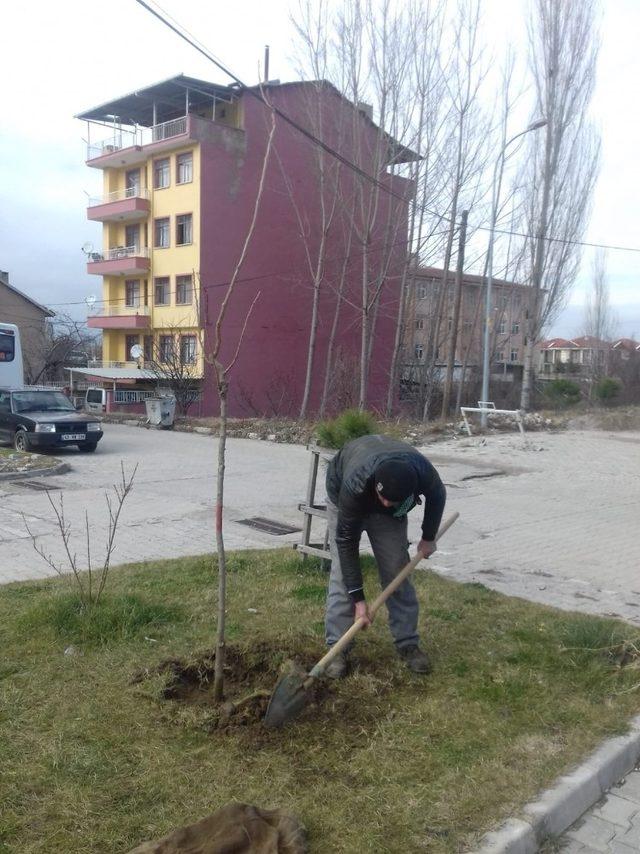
[(95, 400)]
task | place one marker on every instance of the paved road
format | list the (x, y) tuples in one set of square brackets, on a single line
[(553, 517)]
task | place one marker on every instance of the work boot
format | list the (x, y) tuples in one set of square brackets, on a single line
[(337, 667), (416, 660)]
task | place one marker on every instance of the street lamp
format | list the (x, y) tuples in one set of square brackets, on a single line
[(540, 123)]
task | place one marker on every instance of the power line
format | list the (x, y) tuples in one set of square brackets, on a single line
[(273, 274), (181, 31), (256, 93), (609, 246)]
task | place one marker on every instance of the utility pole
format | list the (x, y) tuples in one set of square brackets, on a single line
[(457, 298)]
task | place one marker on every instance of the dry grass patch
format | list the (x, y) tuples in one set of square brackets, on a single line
[(101, 750)]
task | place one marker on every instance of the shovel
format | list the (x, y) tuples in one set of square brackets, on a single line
[(290, 694)]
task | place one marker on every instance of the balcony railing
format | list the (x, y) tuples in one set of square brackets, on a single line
[(141, 136), (120, 195), (119, 252), (98, 363), (176, 127), (121, 310)]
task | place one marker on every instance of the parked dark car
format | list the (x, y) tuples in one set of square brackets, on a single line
[(34, 419)]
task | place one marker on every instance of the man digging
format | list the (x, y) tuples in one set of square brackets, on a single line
[(372, 484)]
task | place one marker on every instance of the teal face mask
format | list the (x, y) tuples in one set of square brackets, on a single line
[(404, 508)]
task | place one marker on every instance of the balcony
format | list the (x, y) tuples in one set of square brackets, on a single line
[(122, 206), (121, 317), (119, 261), (130, 148)]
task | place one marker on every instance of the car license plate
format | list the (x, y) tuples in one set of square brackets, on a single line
[(73, 437)]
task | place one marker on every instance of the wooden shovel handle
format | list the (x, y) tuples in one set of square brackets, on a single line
[(381, 599)]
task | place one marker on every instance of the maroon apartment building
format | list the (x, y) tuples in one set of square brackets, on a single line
[(182, 163)]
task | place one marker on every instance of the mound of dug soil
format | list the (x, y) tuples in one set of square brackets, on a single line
[(250, 676), (251, 673)]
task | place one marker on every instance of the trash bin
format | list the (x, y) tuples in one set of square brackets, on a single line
[(161, 411)]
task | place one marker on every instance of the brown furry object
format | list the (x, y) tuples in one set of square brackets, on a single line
[(234, 829)]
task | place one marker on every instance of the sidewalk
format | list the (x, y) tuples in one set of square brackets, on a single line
[(613, 826)]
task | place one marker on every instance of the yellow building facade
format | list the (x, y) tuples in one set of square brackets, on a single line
[(151, 237)]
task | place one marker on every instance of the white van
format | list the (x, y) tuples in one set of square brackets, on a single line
[(95, 400)]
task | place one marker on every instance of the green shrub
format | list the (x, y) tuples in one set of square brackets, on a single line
[(347, 426), (562, 393), (606, 389)]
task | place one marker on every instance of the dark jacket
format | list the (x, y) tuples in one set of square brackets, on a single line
[(350, 486)]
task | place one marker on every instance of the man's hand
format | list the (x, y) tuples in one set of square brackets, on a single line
[(427, 547), (362, 613)]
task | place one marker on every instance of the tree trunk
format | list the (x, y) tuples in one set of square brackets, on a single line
[(457, 296), (218, 679)]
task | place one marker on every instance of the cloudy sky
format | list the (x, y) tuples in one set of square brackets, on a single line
[(62, 58)]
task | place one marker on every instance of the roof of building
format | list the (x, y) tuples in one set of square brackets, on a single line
[(557, 344), (115, 373), (625, 344), (169, 96), (467, 278), (5, 282), (591, 342), (584, 342)]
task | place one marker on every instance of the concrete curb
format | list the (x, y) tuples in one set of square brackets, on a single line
[(563, 804), (60, 468)]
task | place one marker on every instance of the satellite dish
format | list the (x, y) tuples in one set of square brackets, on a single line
[(136, 351), (87, 247), (90, 300)]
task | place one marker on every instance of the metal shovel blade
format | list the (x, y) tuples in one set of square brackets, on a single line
[(288, 699)]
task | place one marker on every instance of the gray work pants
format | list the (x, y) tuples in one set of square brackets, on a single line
[(388, 538)]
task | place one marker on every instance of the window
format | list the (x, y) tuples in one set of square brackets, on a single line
[(184, 290), (5, 401), (7, 347), (514, 355), (188, 349), (161, 176), (132, 236), (504, 300), (184, 168), (132, 182), (421, 291), (161, 235), (515, 328), (183, 229), (419, 351), (502, 326), (501, 356), (132, 292), (161, 290), (129, 342), (420, 323), (148, 347), (166, 348)]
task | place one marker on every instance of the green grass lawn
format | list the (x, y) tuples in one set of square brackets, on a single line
[(93, 759)]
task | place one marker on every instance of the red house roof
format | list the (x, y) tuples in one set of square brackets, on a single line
[(625, 344), (557, 344)]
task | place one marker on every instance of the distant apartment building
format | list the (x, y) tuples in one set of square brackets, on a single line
[(430, 316), (31, 318), (181, 165)]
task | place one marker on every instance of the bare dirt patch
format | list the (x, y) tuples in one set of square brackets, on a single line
[(251, 675)]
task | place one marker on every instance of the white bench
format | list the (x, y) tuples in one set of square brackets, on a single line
[(489, 407)]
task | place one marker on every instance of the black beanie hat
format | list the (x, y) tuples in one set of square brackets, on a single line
[(395, 480)]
